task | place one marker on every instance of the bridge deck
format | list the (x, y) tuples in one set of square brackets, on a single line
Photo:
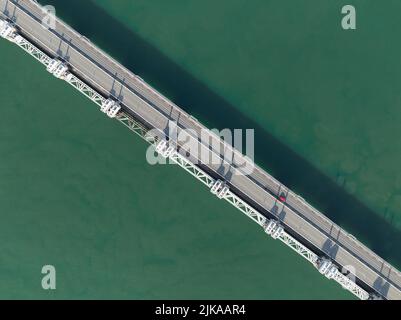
[(259, 189)]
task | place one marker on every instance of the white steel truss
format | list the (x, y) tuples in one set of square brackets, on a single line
[(299, 248), (350, 285), (245, 208), (35, 52), (188, 166), (85, 89), (192, 169)]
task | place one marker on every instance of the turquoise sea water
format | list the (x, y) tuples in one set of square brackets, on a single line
[(76, 191)]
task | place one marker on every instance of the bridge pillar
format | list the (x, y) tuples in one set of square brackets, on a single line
[(7, 30), (274, 229), (220, 189), (58, 68), (164, 148), (327, 268), (110, 107)]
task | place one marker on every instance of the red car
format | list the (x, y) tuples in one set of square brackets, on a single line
[(282, 198)]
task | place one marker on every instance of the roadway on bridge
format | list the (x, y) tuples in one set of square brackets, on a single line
[(259, 188)]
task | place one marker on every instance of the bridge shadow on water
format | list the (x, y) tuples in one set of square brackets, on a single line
[(196, 98)]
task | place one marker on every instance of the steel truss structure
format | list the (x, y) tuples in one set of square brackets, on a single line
[(32, 50), (85, 89), (177, 158)]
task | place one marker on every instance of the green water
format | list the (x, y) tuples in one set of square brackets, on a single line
[(76, 191)]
